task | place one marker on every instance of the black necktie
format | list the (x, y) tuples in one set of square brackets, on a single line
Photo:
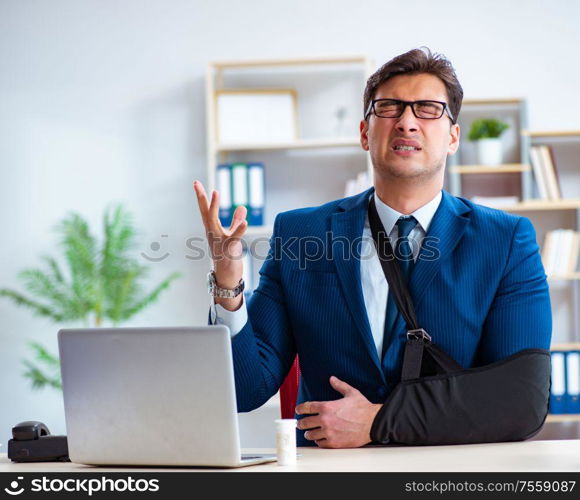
[(404, 255)]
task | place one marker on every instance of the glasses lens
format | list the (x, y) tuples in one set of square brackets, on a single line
[(429, 109), (388, 108)]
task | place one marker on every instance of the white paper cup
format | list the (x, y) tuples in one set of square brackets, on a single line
[(286, 441)]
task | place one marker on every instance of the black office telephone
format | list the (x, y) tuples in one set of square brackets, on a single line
[(32, 442)]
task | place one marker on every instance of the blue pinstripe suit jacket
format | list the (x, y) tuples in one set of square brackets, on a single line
[(478, 287)]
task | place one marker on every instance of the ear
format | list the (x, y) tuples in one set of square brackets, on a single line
[(364, 138), (454, 135)]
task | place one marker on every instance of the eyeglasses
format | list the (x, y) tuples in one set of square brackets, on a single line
[(394, 108)]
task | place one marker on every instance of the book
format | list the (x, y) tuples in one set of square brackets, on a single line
[(574, 251), (537, 167), (558, 250), (256, 194), (224, 187), (572, 402), (552, 158), (550, 173), (563, 251), (558, 383), (239, 185)]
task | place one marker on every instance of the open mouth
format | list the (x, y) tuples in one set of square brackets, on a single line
[(406, 150)]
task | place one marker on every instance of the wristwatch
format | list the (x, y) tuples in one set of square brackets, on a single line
[(225, 293)]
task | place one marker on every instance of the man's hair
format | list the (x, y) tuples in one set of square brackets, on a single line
[(415, 62)]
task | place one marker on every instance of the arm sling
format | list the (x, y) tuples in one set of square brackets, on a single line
[(438, 401)]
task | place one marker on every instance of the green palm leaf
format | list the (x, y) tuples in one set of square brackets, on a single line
[(98, 283), (39, 377)]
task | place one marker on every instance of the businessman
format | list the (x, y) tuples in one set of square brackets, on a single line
[(476, 279)]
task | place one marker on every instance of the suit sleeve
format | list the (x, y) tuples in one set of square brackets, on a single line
[(520, 315), (263, 351)]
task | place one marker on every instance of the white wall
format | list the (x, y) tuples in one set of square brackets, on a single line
[(104, 100)]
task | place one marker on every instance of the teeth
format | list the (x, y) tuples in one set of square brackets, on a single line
[(407, 148)]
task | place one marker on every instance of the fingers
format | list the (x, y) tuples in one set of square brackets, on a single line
[(210, 216), (309, 422), (209, 210), (241, 229), (214, 207), (342, 387), (239, 216), (202, 201), (315, 435), (309, 407)]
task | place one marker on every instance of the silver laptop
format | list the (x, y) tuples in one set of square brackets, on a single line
[(151, 396)]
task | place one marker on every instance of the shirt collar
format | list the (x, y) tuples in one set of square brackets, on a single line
[(424, 214)]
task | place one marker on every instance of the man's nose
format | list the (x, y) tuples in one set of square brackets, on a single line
[(407, 122)]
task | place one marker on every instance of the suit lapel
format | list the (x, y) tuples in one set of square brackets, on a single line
[(347, 225), (445, 232)]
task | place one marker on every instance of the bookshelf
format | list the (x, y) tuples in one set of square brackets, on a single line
[(564, 277), (485, 169), (551, 133), (539, 205), (554, 214), (513, 177), (336, 142), (312, 168), (559, 418), (516, 176)]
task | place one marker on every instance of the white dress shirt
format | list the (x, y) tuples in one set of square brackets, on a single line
[(374, 284)]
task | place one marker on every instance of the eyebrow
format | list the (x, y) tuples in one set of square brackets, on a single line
[(413, 100)]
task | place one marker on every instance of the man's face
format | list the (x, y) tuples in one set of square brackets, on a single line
[(436, 138)]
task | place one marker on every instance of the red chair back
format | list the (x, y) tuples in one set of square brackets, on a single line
[(289, 391)]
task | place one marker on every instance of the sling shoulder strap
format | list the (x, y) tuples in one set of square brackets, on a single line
[(417, 338)]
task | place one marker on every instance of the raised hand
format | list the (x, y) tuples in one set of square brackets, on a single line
[(225, 244)]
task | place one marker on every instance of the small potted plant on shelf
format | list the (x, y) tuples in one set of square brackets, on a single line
[(486, 132)]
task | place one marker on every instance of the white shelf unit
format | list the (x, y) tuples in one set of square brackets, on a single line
[(546, 215), (515, 146), (314, 168), (563, 213)]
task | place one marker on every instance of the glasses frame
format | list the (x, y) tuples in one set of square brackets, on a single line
[(371, 108)]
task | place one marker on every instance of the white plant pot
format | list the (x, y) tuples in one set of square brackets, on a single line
[(489, 151)]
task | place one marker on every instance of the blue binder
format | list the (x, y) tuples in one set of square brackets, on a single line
[(572, 403), (224, 187), (239, 185), (558, 383), (256, 194)]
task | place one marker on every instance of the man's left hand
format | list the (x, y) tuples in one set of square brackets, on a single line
[(344, 423)]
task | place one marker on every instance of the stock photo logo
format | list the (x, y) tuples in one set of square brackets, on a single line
[(155, 246), (14, 485), (85, 485)]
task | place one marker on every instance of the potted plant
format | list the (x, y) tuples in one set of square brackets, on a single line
[(98, 283), (486, 133)]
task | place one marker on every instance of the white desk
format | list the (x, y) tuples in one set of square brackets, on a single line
[(527, 456)]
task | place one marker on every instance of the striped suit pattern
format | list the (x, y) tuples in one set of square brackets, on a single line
[(478, 287)]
